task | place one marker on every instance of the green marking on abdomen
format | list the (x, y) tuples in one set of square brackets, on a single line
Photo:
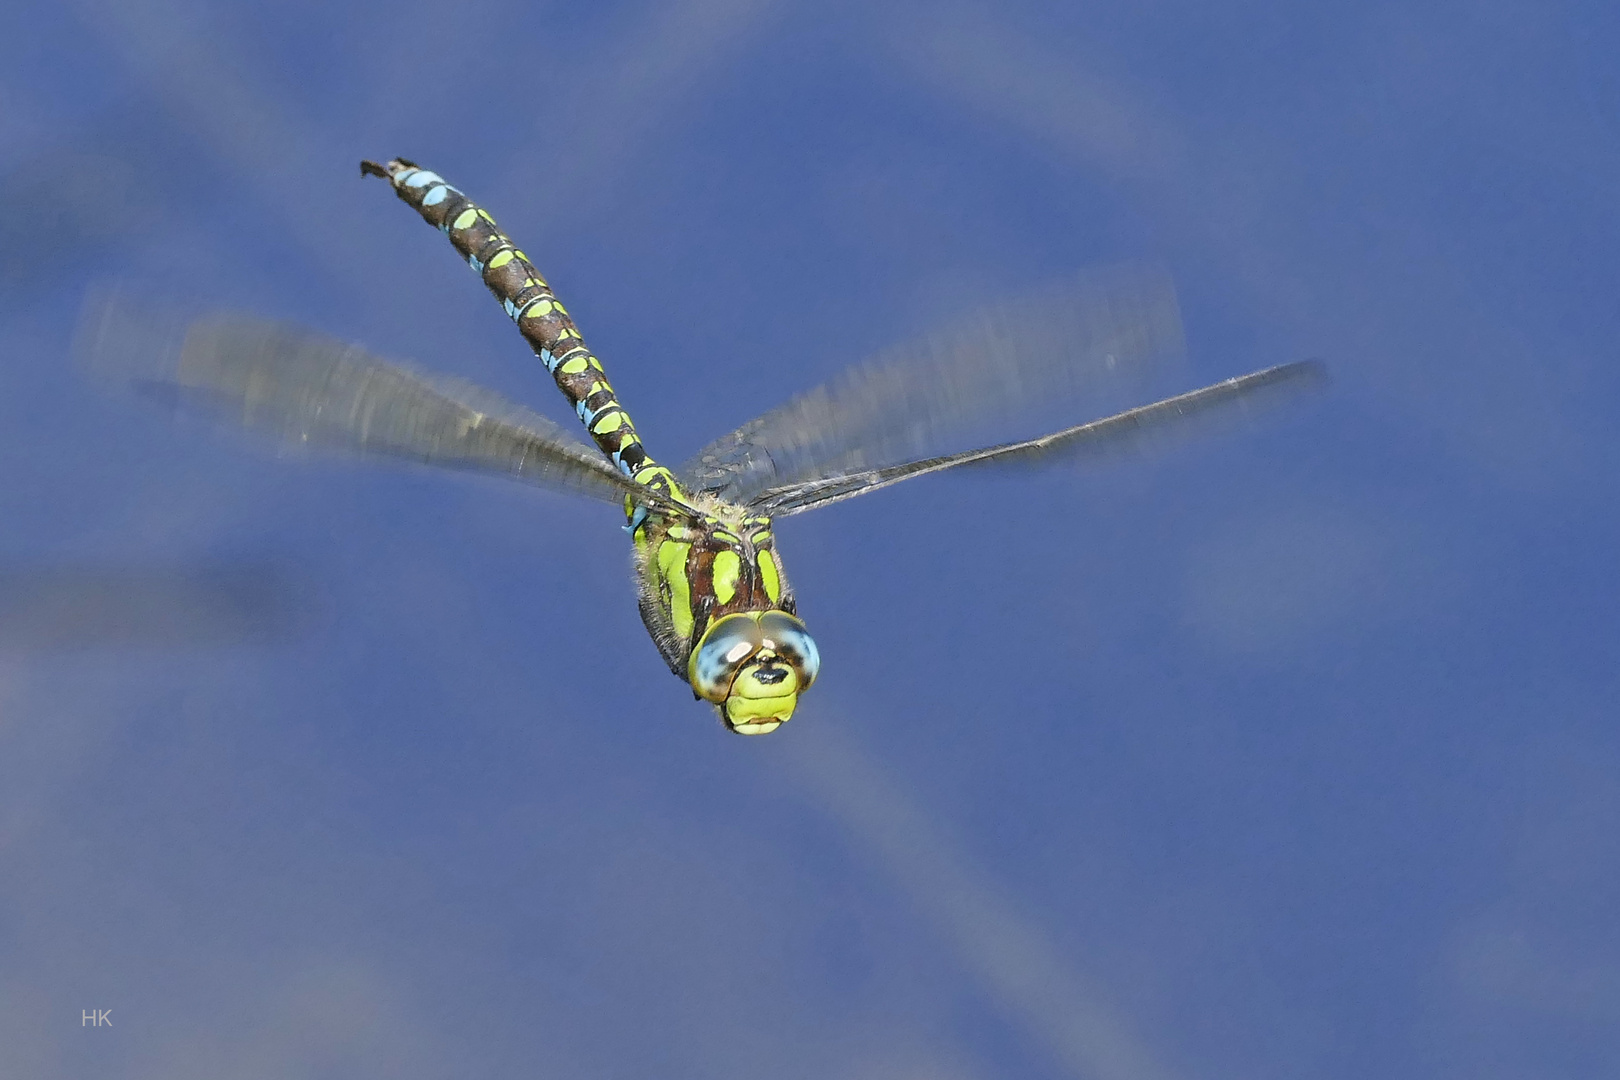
[(544, 321)]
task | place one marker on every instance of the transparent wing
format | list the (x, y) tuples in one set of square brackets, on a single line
[(1233, 396), (311, 391), (1090, 346)]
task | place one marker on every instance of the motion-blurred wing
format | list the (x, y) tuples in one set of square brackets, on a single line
[(309, 390), (1089, 345), (1115, 432)]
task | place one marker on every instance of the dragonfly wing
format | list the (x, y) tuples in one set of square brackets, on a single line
[(307, 390), (1120, 431), (1089, 344)]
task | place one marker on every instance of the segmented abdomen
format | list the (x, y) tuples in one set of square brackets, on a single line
[(540, 318)]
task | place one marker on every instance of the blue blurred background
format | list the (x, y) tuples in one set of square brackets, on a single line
[(1291, 752)]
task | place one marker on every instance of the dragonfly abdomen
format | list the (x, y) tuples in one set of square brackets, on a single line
[(542, 320)]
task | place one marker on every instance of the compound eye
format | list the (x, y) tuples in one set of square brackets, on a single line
[(725, 649), (793, 643)]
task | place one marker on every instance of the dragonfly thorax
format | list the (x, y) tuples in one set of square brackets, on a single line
[(696, 571)]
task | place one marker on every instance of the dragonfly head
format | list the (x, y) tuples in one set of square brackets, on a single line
[(753, 666)]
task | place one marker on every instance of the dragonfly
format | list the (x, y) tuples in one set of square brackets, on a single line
[(713, 592)]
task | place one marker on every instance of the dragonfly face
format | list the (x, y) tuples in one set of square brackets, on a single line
[(754, 665)]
